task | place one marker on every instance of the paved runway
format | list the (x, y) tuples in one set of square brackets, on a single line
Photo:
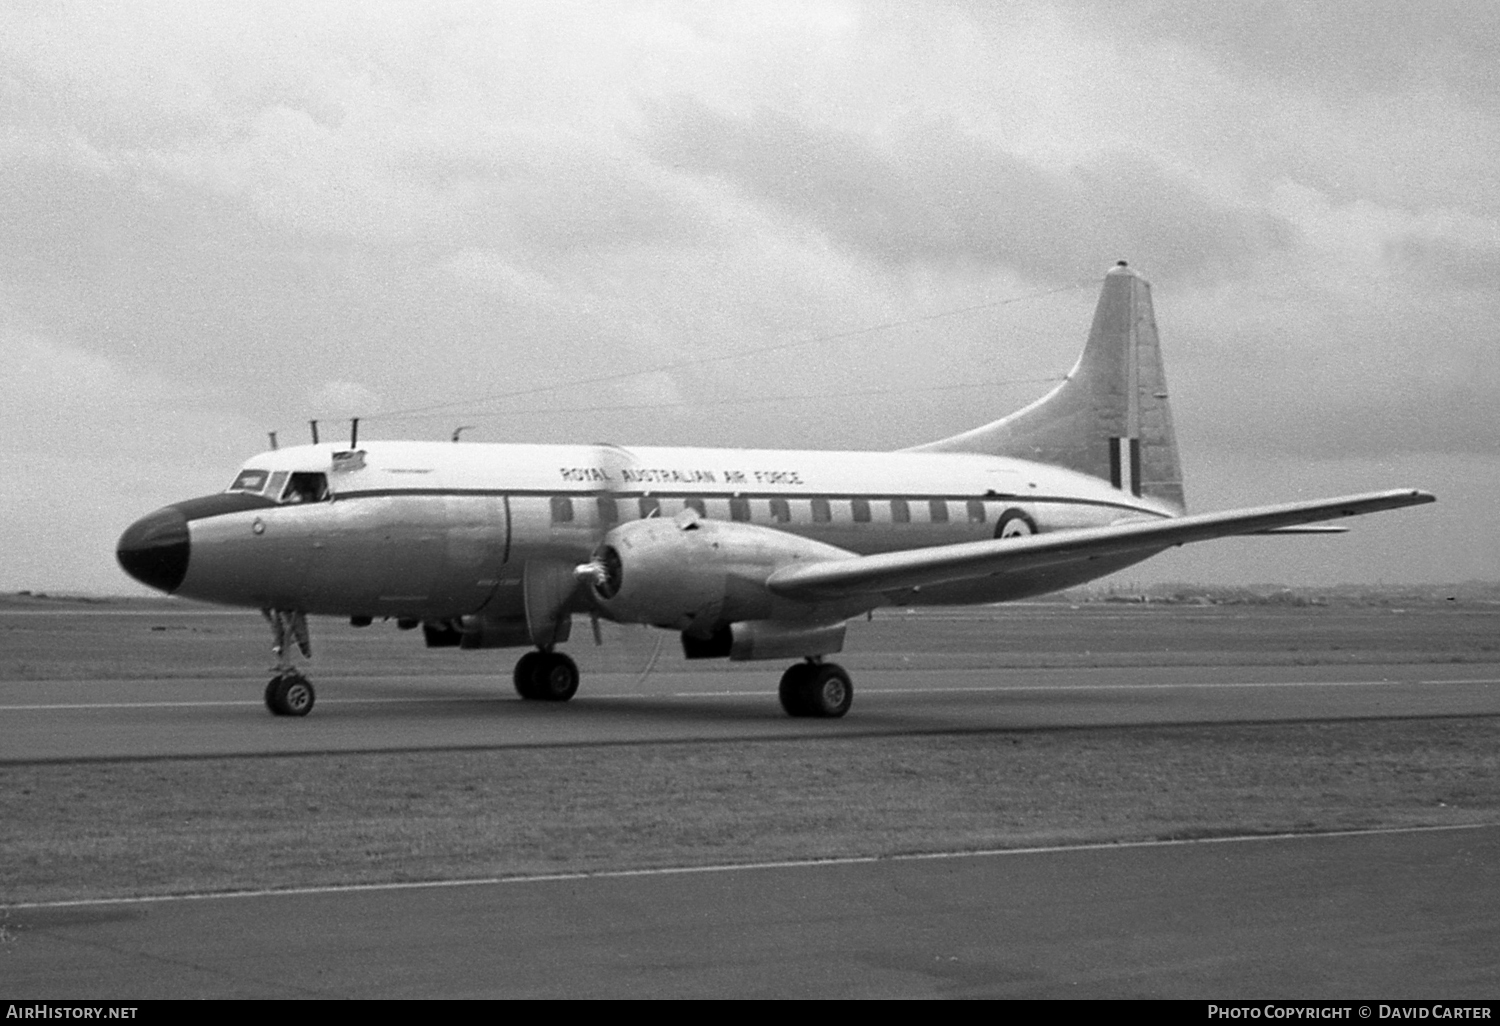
[(63, 720), (1250, 919)]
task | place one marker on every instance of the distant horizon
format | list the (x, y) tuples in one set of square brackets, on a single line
[(1102, 585)]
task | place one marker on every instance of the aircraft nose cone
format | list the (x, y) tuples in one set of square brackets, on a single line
[(154, 549)]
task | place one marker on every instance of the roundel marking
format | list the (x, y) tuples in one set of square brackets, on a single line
[(1014, 523)]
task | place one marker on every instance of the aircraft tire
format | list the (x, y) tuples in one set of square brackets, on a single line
[(546, 677), (829, 691), (820, 690), (526, 674), (558, 678), (290, 694), (793, 690)]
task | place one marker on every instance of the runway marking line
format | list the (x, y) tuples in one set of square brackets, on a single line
[(731, 867), (978, 688)]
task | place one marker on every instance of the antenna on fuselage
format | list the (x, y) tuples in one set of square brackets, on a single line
[(460, 430), (314, 430), (354, 433), (273, 439)]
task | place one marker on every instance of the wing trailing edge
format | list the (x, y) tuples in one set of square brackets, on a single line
[(917, 568)]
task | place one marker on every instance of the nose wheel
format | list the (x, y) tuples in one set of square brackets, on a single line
[(290, 694), (816, 689)]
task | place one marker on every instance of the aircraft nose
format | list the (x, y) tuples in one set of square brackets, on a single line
[(154, 549)]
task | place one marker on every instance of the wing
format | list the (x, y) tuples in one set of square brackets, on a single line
[(894, 571)]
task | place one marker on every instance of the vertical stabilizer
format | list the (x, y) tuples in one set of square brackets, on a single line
[(1110, 417)]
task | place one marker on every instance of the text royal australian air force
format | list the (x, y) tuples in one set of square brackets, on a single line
[(665, 476), (834, 473)]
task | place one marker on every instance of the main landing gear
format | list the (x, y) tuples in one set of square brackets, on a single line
[(546, 677), (288, 693), (816, 688)]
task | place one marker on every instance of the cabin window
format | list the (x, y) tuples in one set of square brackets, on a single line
[(861, 510), (252, 482), (305, 487), (822, 513), (976, 511), (939, 510), (562, 509), (609, 510), (739, 509), (696, 504), (650, 507), (781, 511), (900, 512)]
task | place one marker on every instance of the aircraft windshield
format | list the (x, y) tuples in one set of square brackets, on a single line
[(306, 487), (252, 482)]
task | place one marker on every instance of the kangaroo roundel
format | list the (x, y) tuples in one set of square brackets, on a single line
[(1014, 523)]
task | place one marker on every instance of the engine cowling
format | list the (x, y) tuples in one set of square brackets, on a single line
[(691, 574)]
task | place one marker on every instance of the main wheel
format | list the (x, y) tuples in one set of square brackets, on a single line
[(526, 673), (546, 677), (816, 689), (290, 694), (793, 690), (558, 679), (829, 691)]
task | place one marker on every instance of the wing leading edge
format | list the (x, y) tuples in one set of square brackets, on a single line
[(916, 568)]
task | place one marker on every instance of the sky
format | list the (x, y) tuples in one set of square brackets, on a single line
[(805, 224)]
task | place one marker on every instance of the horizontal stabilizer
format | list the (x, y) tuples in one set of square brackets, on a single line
[(917, 568)]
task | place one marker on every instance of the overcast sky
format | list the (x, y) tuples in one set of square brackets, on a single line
[(218, 220)]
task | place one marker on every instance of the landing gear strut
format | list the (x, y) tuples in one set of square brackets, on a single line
[(288, 693), (546, 677), (816, 689)]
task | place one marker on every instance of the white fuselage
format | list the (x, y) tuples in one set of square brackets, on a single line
[(429, 530)]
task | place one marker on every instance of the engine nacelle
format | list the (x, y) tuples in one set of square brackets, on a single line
[(691, 574), (766, 639), (491, 632)]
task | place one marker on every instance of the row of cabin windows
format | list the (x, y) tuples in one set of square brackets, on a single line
[(780, 510)]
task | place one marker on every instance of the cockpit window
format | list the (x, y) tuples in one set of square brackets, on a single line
[(305, 487), (252, 482)]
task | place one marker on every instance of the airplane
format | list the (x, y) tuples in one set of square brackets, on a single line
[(746, 553)]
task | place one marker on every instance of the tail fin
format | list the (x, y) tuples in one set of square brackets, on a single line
[(1110, 417)]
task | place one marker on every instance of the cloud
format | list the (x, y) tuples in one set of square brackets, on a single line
[(930, 193), (345, 398), (1382, 47), (57, 398), (89, 445)]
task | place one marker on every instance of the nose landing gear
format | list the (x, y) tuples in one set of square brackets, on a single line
[(289, 693)]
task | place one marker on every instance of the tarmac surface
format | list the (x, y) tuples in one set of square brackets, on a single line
[(1399, 915), (1366, 916), (105, 719)]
